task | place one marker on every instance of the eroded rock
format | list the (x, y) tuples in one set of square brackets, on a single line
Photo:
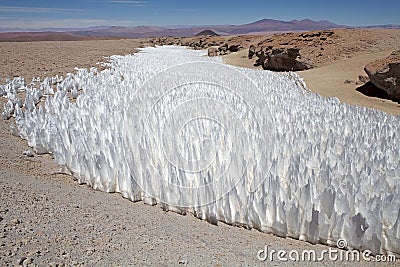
[(385, 74), (281, 59)]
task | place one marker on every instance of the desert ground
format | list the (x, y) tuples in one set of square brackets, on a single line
[(48, 219)]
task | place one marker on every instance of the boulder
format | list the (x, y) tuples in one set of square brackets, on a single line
[(212, 52), (261, 57), (285, 59), (185, 42), (385, 74), (223, 49), (252, 51), (234, 48)]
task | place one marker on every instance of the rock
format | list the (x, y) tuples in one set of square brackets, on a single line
[(223, 49), (21, 260), (28, 153), (261, 57), (285, 59), (234, 48), (252, 51), (185, 43), (24, 261), (311, 34), (363, 79), (27, 262), (90, 251), (385, 74), (212, 52)]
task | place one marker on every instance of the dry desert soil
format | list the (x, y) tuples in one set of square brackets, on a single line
[(48, 219)]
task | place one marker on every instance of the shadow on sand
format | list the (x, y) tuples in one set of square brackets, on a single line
[(369, 89)]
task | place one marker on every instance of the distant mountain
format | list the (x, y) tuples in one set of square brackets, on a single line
[(271, 25), (264, 26), (207, 32), (388, 27), (45, 36), (133, 32), (5, 29)]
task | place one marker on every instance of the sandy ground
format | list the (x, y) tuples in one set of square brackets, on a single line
[(329, 80), (50, 58), (46, 218)]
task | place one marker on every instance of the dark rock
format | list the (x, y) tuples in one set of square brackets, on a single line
[(234, 48), (21, 260), (310, 35), (282, 59), (223, 49), (252, 51), (348, 82), (385, 74), (261, 57), (328, 33)]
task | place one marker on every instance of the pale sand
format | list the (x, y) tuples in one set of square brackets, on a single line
[(48, 217)]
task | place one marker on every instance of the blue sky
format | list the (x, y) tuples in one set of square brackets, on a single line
[(85, 13)]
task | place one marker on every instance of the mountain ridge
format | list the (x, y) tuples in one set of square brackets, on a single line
[(262, 26)]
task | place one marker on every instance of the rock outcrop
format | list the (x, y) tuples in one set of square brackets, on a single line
[(385, 74), (281, 59), (234, 47), (294, 51)]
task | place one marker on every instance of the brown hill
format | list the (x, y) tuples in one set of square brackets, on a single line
[(207, 33)]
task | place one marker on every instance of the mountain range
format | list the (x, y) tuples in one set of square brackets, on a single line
[(264, 26)]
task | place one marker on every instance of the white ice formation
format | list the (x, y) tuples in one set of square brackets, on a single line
[(245, 147)]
